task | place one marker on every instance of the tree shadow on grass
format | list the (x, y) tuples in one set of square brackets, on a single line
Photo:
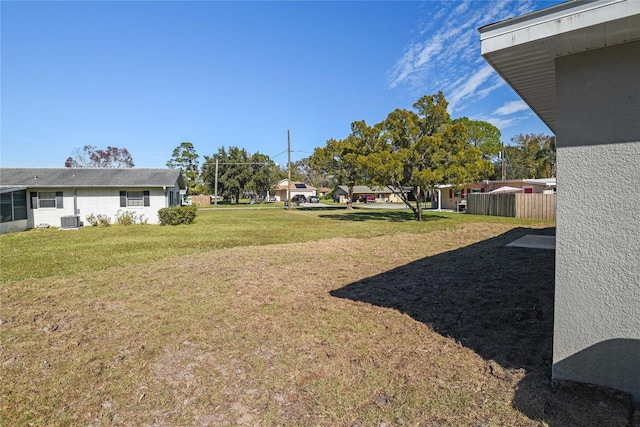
[(391, 215), (498, 302), (493, 299)]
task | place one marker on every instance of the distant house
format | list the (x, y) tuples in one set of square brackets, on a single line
[(64, 197), (449, 196), (283, 188), (577, 65), (323, 191), (381, 194)]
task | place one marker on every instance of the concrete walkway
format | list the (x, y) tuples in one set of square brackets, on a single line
[(534, 241)]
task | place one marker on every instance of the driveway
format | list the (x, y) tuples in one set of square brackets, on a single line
[(381, 205)]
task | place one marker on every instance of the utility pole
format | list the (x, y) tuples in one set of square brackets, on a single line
[(288, 168), (504, 165), (215, 203)]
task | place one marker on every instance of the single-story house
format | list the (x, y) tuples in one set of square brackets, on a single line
[(381, 194), (577, 65), (64, 197), (283, 188), (449, 196), (323, 191)]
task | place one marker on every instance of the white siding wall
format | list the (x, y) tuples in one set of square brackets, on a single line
[(49, 216), (99, 201)]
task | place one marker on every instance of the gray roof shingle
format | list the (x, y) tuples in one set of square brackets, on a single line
[(90, 177)]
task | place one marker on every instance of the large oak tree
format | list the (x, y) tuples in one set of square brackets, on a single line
[(410, 152), (239, 172)]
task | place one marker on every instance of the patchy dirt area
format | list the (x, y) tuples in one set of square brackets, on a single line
[(447, 328)]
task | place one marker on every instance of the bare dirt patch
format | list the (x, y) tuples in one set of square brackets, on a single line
[(447, 328)]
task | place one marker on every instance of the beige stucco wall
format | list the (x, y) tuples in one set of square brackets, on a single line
[(597, 297)]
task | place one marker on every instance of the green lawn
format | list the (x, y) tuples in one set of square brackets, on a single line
[(262, 317), (53, 252)]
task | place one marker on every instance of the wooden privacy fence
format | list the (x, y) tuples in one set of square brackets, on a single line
[(518, 205), (201, 200)]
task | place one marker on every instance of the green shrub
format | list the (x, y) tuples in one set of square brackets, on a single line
[(176, 215), (98, 220)]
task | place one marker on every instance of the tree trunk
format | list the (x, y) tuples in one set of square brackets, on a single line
[(418, 211), (350, 195)]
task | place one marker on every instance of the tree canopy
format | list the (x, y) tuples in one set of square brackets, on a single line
[(92, 157), (410, 152), (303, 170), (531, 156), (239, 172), (342, 159), (483, 135), (186, 159)]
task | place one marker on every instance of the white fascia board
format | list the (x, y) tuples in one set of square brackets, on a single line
[(554, 21)]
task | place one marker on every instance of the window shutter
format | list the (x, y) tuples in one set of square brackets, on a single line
[(34, 200), (123, 199), (146, 198), (59, 200)]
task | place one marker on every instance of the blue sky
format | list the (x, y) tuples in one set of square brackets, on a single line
[(147, 76)]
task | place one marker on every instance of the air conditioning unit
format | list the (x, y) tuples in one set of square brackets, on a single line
[(70, 221)]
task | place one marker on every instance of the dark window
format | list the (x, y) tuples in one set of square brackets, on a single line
[(135, 198), (19, 205), (5, 207), (13, 206), (47, 199)]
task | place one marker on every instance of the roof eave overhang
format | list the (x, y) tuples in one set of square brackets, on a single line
[(67, 185), (523, 49)]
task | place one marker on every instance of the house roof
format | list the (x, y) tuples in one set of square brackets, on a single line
[(90, 177), (547, 182), (523, 49), (507, 189), (363, 189), (11, 189), (295, 185)]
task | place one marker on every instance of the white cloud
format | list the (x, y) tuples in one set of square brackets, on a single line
[(511, 108), (503, 117), (495, 84), (502, 122), (446, 53), (462, 7), (470, 86)]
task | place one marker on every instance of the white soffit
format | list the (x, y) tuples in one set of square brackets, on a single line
[(523, 49)]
